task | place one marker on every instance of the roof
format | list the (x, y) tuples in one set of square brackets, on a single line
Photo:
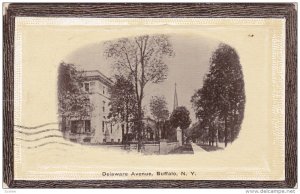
[(97, 75)]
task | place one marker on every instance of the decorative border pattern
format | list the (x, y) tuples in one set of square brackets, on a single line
[(152, 10)]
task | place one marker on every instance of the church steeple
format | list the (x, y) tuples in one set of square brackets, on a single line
[(175, 105)]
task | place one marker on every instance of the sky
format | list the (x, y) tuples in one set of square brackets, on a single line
[(187, 68)]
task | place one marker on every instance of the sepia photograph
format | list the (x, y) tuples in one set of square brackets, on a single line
[(136, 108), (168, 92), (170, 99)]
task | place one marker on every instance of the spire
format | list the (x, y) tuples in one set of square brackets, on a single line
[(175, 99)]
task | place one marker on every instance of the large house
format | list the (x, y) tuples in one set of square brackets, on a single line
[(95, 128)]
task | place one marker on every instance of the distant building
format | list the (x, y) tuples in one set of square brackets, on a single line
[(175, 104), (178, 130), (150, 132), (96, 128)]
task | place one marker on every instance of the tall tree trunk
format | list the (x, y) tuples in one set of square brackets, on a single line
[(141, 94), (139, 125), (163, 130), (127, 127), (157, 132), (127, 119), (122, 126)]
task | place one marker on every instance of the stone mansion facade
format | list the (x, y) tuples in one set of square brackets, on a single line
[(96, 128)]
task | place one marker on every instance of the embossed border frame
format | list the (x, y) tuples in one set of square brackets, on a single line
[(154, 10)]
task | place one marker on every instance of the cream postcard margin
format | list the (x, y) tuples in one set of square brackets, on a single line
[(258, 153)]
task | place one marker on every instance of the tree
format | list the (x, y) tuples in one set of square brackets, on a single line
[(141, 60), (122, 103), (160, 112), (180, 117), (169, 132), (196, 133), (221, 100), (203, 103), (206, 112), (72, 100)]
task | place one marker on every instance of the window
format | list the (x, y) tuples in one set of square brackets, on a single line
[(74, 126), (87, 140), (102, 126), (119, 140), (77, 126), (112, 140), (87, 125), (92, 86), (87, 87), (110, 128), (103, 90), (104, 140), (103, 107), (73, 140)]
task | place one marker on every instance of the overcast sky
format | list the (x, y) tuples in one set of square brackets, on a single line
[(187, 68)]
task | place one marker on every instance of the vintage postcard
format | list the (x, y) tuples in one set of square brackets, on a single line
[(149, 99)]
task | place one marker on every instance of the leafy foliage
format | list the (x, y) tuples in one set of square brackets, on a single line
[(180, 117), (141, 60), (123, 104), (168, 131), (160, 113), (122, 99), (73, 101), (219, 104), (158, 108), (140, 57)]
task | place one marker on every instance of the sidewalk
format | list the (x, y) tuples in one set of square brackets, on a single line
[(197, 148), (184, 149)]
